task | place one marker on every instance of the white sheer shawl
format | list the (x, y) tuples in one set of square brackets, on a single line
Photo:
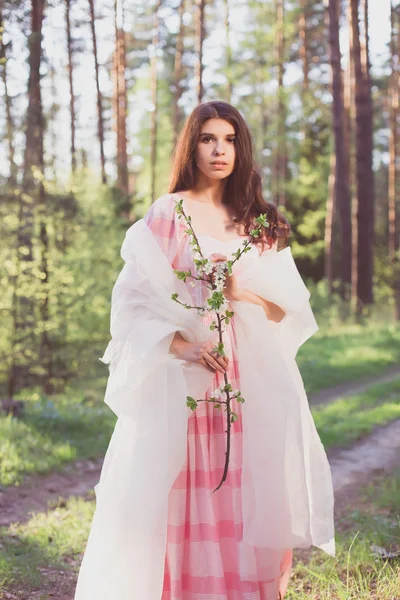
[(287, 488)]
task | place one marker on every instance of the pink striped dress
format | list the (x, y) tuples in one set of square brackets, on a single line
[(205, 529)]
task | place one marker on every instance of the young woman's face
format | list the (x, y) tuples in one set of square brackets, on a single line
[(216, 144)]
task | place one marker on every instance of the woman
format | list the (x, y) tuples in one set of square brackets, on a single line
[(160, 532)]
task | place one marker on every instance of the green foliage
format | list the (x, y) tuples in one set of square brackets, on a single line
[(337, 354), (84, 236), (51, 433), (348, 419)]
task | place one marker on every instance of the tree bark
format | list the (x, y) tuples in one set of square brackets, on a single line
[(281, 150), (331, 206), (100, 121), (304, 44), (33, 202), (341, 185), (7, 101), (120, 104), (199, 41), (228, 67), (154, 100), (364, 149), (178, 72), (394, 171), (71, 83), (394, 83)]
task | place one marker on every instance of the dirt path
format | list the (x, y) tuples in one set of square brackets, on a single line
[(352, 468), (352, 387), (39, 491), (374, 454), (378, 452)]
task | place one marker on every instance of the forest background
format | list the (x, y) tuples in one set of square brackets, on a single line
[(93, 96)]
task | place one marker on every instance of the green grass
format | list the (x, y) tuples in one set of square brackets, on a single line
[(50, 544), (347, 353), (344, 421), (355, 573), (51, 433), (77, 424)]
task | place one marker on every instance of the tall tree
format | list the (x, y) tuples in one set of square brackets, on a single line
[(154, 99), (71, 83), (32, 205), (394, 83), (304, 53), (10, 126), (199, 42), (364, 149), (341, 193), (394, 170), (228, 67), (281, 150), (120, 98), (178, 71), (100, 120)]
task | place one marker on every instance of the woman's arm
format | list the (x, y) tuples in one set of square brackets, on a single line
[(273, 311), (233, 293)]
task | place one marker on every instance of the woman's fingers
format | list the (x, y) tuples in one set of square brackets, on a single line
[(218, 362), (206, 365)]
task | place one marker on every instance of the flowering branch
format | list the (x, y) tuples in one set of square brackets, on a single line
[(214, 275)]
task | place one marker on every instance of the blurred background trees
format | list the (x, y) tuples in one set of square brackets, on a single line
[(94, 93)]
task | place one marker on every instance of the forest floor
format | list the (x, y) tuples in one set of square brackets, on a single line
[(45, 519)]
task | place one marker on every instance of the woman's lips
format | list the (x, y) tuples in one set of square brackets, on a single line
[(219, 166)]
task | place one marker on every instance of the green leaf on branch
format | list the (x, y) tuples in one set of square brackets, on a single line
[(174, 296), (219, 348), (234, 417), (191, 403), (182, 275), (228, 387), (217, 405), (216, 300)]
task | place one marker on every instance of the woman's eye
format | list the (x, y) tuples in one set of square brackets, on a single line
[(205, 139)]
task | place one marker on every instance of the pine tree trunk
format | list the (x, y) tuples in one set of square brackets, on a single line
[(100, 121), (33, 204), (305, 58), (10, 128), (228, 68), (394, 171), (121, 103), (281, 150), (71, 83), (154, 100), (364, 148), (304, 53), (199, 41), (178, 72), (341, 188), (331, 206), (350, 114)]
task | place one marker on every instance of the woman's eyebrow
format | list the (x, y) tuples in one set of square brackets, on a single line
[(227, 135)]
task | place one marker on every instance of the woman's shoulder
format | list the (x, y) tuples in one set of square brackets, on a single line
[(162, 207)]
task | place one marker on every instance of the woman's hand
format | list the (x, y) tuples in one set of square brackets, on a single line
[(199, 352), (231, 291)]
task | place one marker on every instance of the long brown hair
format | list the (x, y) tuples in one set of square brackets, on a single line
[(243, 187)]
